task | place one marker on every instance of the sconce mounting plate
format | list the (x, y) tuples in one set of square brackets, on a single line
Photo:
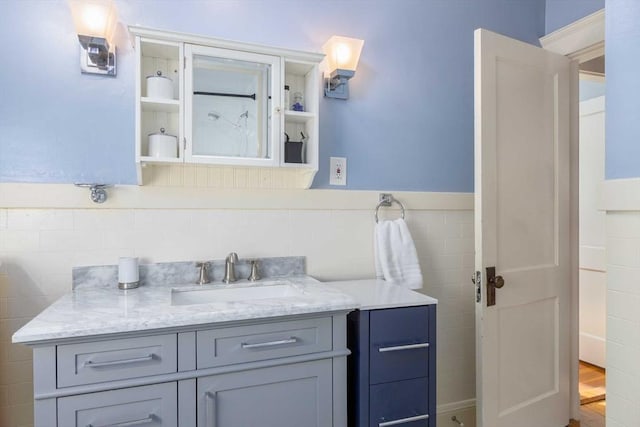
[(96, 56)]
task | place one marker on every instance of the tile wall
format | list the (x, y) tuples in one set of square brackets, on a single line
[(623, 319), (38, 248)]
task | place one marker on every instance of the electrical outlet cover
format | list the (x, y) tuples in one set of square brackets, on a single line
[(338, 171)]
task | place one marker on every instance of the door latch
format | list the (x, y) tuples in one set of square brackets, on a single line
[(476, 278), (493, 282)]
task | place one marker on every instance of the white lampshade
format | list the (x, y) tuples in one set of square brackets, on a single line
[(342, 53), (95, 18)]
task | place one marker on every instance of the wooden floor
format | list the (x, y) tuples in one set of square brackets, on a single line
[(592, 388)]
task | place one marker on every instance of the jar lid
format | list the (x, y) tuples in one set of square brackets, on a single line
[(159, 74), (162, 130)]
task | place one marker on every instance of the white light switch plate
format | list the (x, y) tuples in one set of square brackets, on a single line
[(338, 171)]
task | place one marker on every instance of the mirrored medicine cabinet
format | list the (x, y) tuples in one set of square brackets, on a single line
[(219, 103)]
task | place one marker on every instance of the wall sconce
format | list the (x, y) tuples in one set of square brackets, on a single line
[(343, 54), (95, 22)]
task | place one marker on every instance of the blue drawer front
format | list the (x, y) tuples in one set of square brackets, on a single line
[(399, 401), (403, 335)]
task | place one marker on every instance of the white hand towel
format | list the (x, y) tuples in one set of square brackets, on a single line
[(396, 258)]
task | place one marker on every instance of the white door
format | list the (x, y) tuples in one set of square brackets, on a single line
[(522, 123)]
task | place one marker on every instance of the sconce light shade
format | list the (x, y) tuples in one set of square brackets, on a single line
[(96, 22), (342, 54)]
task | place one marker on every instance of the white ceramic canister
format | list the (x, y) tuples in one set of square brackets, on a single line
[(159, 86), (162, 144)]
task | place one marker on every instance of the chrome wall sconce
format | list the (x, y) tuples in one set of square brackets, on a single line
[(98, 191), (95, 22), (343, 54)]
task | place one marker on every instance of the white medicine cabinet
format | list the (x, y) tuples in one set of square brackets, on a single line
[(205, 101)]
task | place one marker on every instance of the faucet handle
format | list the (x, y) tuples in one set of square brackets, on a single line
[(254, 271), (202, 280)]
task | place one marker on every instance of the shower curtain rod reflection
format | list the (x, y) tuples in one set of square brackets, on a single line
[(232, 95)]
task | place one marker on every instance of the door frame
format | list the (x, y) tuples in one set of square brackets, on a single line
[(581, 41)]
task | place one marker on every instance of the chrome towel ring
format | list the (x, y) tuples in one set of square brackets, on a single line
[(386, 200)]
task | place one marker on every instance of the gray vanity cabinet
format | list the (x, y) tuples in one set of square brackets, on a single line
[(297, 395), (284, 372)]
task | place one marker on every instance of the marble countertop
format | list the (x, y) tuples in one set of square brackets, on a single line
[(99, 310), (374, 294), (105, 310)]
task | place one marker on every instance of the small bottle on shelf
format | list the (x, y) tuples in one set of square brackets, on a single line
[(297, 102)]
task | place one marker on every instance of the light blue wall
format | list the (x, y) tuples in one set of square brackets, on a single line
[(563, 12), (407, 126), (622, 59)]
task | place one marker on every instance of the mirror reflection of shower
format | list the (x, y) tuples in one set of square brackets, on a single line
[(241, 125), (230, 104)]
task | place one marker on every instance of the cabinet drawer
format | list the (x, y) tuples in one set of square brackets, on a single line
[(401, 403), (99, 361), (148, 406), (217, 347), (399, 347)]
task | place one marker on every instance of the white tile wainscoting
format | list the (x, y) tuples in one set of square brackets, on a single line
[(621, 200), (45, 230)]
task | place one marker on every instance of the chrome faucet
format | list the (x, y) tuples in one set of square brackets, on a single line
[(230, 268), (203, 279)]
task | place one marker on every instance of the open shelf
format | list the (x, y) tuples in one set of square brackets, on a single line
[(298, 116), (160, 105)]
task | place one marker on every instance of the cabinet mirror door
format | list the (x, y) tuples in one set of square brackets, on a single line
[(231, 106)]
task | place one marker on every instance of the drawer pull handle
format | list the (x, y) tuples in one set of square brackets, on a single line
[(404, 347), (404, 420), (211, 409), (151, 418), (92, 364), (270, 343)]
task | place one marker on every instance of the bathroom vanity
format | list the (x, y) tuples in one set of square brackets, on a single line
[(224, 375), (271, 353), (153, 356)]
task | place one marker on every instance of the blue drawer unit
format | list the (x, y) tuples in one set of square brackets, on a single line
[(391, 371)]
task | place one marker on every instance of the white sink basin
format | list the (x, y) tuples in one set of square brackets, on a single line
[(207, 295)]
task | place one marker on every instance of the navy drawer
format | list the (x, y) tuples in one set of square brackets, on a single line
[(399, 347), (404, 403)]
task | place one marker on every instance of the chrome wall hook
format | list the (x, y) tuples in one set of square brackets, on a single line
[(98, 191)]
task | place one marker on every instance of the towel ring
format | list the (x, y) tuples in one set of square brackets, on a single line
[(387, 200)]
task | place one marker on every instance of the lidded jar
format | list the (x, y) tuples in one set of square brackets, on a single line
[(159, 86)]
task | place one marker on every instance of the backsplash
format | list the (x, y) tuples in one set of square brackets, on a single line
[(333, 231), (167, 273)]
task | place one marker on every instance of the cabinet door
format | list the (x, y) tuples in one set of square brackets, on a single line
[(148, 406), (232, 107), (296, 395)]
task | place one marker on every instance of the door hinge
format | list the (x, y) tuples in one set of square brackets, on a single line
[(476, 278), (184, 63), (184, 145)]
